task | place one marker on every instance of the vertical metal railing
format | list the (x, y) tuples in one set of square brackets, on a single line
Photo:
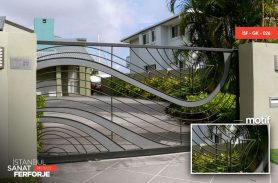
[(111, 86), (137, 109)]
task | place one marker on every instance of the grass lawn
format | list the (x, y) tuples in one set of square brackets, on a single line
[(274, 156)]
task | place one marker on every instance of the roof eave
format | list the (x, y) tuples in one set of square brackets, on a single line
[(150, 27), (19, 26)]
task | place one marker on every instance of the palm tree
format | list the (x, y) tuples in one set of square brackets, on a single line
[(269, 14), (211, 23)]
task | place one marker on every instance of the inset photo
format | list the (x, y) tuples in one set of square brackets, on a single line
[(229, 149)]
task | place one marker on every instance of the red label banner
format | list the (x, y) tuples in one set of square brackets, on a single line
[(256, 33), (45, 168)]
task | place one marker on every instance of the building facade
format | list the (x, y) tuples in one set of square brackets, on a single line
[(164, 33), (60, 80)]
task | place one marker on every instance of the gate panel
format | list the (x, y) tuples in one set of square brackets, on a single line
[(139, 103)]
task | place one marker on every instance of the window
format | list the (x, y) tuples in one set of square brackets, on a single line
[(153, 36), (150, 67), (145, 38), (218, 139), (210, 136), (44, 21), (175, 31)]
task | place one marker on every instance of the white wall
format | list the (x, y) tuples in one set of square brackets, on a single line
[(258, 82), (12, 29), (18, 100), (4, 112), (163, 37)]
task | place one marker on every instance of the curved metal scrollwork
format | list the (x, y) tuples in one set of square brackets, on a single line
[(229, 148), (144, 102)]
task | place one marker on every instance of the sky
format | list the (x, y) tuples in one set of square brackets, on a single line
[(111, 19)]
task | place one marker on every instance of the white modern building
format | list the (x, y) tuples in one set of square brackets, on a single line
[(164, 33), (65, 79), (203, 135)]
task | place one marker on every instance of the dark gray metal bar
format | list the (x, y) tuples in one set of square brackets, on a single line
[(107, 155), (109, 144), (123, 132), (80, 43), (88, 63)]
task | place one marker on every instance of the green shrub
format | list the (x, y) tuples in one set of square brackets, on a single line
[(208, 163), (169, 85), (40, 104), (221, 107), (274, 156)]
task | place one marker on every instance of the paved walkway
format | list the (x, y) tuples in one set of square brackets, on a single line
[(169, 168)]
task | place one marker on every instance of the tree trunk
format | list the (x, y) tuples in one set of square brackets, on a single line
[(262, 13)]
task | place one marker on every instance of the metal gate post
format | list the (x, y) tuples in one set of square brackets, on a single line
[(111, 89)]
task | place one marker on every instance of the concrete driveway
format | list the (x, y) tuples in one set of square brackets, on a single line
[(168, 168)]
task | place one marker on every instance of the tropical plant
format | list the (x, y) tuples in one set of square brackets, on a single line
[(222, 107), (206, 162), (211, 23), (172, 86)]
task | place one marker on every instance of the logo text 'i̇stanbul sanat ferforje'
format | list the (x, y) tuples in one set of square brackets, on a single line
[(30, 168)]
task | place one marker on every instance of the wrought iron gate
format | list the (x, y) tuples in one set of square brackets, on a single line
[(237, 148), (140, 101)]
